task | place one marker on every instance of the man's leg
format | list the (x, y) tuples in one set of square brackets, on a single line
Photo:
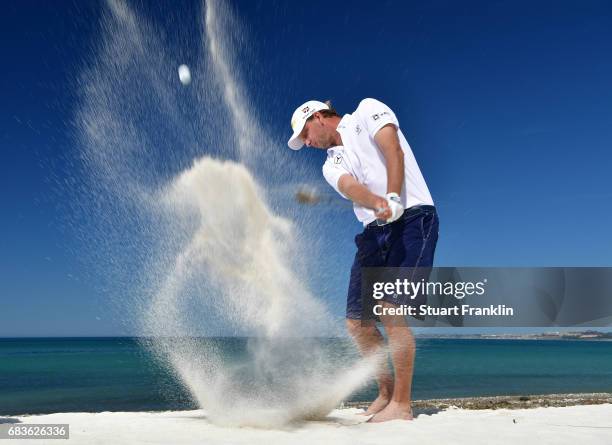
[(370, 341), (414, 246), (402, 348)]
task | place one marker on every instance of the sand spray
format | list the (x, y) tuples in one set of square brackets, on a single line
[(178, 178)]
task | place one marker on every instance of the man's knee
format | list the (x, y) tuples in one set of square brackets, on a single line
[(359, 328)]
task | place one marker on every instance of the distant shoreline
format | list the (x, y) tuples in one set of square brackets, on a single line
[(575, 335), (509, 337), (505, 402)]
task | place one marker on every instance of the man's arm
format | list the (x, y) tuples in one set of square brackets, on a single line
[(359, 193), (387, 140)]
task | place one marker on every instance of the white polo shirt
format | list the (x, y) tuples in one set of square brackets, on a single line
[(361, 158)]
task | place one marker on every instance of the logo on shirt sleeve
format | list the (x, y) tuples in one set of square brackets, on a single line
[(338, 159), (379, 115)]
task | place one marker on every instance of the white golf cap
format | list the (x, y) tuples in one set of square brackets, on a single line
[(298, 120)]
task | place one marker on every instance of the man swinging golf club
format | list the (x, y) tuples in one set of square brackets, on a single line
[(370, 162)]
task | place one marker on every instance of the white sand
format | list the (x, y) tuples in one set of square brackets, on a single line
[(591, 424)]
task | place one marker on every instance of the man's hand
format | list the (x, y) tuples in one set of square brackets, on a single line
[(395, 204), (382, 209), (388, 208)]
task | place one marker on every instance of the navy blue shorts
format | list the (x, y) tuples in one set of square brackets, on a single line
[(408, 242)]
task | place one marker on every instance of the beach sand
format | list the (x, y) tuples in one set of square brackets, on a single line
[(585, 424)]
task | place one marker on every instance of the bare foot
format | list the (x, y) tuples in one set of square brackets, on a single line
[(376, 406), (393, 411)]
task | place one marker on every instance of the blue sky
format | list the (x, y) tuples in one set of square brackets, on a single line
[(505, 104)]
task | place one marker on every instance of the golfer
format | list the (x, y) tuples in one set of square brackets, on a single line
[(370, 162)]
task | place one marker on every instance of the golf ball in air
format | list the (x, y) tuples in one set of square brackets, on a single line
[(184, 74)]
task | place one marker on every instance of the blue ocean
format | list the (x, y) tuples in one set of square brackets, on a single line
[(47, 375)]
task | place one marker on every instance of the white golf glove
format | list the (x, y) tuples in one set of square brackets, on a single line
[(395, 204)]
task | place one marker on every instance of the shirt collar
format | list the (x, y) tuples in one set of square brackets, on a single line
[(343, 123), (331, 150)]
